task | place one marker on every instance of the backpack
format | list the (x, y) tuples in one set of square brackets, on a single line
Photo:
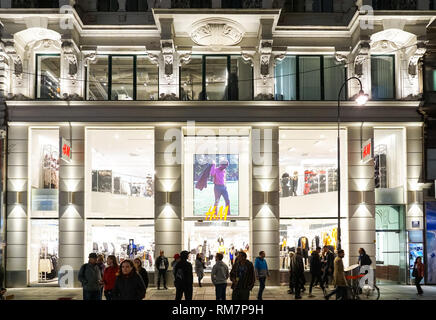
[(415, 271)]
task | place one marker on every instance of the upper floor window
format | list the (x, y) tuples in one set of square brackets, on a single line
[(394, 4), (35, 4), (122, 77), (136, 5), (108, 5), (322, 5), (47, 78), (383, 77), (216, 77), (309, 78)]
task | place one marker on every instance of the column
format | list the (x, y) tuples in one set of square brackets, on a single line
[(17, 214), (168, 197), (361, 197), (71, 215), (265, 198), (414, 208)]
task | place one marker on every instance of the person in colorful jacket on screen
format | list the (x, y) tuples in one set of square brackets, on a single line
[(219, 180)]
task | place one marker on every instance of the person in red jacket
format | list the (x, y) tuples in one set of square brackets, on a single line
[(418, 273), (109, 276)]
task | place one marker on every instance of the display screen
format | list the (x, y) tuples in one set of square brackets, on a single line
[(415, 250), (216, 184), (430, 209)]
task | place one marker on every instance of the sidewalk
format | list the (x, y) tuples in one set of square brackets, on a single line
[(388, 292)]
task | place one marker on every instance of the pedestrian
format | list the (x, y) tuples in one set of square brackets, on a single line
[(327, 262), (291, 283), (232, 255), (90, 277), (173, 265), (141, 271), (297, 266), (199, 268), (183, 279), (262, 272), (364, 259), (129, 284), (418, 274), (339, 278), (219, 276), (315, 270), (110, 276), (242, 277), (101, 266), (2, 287), (162, 267)]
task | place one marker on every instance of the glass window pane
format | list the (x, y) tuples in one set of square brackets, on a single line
[(147, 74), (216, 78), (434, 80), (122, 78), (310, 78), (334, 77), (241, 79), (98, 79), (431, 164), (44, 172), (191, 79), (48, 75), (286, 79), (382, 77)]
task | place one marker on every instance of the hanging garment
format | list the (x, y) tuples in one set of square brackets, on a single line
[(204, 176), (45, 265)]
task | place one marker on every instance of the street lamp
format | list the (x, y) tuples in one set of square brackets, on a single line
[(361, 100)]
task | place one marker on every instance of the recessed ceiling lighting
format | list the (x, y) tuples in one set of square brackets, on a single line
[(292, 149), (322, 136), (117, 136)]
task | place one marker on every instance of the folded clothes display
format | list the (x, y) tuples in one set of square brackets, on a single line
[(111, 182)]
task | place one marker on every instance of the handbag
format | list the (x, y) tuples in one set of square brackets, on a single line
[(415, 272)]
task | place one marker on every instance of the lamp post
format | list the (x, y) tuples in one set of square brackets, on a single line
[(361, 99)]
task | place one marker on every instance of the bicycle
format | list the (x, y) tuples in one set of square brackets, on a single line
[(368, 292)]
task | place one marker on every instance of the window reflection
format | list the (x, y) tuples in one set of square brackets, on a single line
[(216, 78), (191, 76), (48, 76), (98, 79), (147, 74), (122, 78)]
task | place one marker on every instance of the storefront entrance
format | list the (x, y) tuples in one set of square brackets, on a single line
[(211, 237)]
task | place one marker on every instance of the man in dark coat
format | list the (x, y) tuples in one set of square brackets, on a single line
[(242, 277), (364, 259), (183, 277), (315, 270), (297, 275), (161, 265), (327, 261)]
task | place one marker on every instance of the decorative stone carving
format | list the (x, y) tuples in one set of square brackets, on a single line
[(69, 55), (384, 45), (168, 97), (185, 58), (167, 47), (361, 56), (248, 57), (413, 61), (17, 97), (265, 49), (153, 58), (72, 97), (279, 57), (264, 97), (341, 58), (17, 61), (90, 58), (216, 32)]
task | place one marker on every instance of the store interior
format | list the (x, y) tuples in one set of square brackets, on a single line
[(211, 237), (43, 258), (126, 239), (120, 173)]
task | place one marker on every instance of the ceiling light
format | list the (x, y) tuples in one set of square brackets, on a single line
[(117, 136), (317, 143), (292, 149), (322, 136)]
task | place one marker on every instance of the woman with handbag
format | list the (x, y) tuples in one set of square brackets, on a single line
[(418, 274)]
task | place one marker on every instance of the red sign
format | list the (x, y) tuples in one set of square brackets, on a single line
[(367, 151), (66, 150)]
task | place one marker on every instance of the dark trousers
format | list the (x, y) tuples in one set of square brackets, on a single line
[(241, 294), (341, 293), (220, 291), (418, 285), (219, 191), (316, 278), (108, 294), (187, 291), (261, 288), (325, 278), (163, 274), (91, 295)]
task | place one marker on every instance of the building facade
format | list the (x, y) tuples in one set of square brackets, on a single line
[(117, 112)]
